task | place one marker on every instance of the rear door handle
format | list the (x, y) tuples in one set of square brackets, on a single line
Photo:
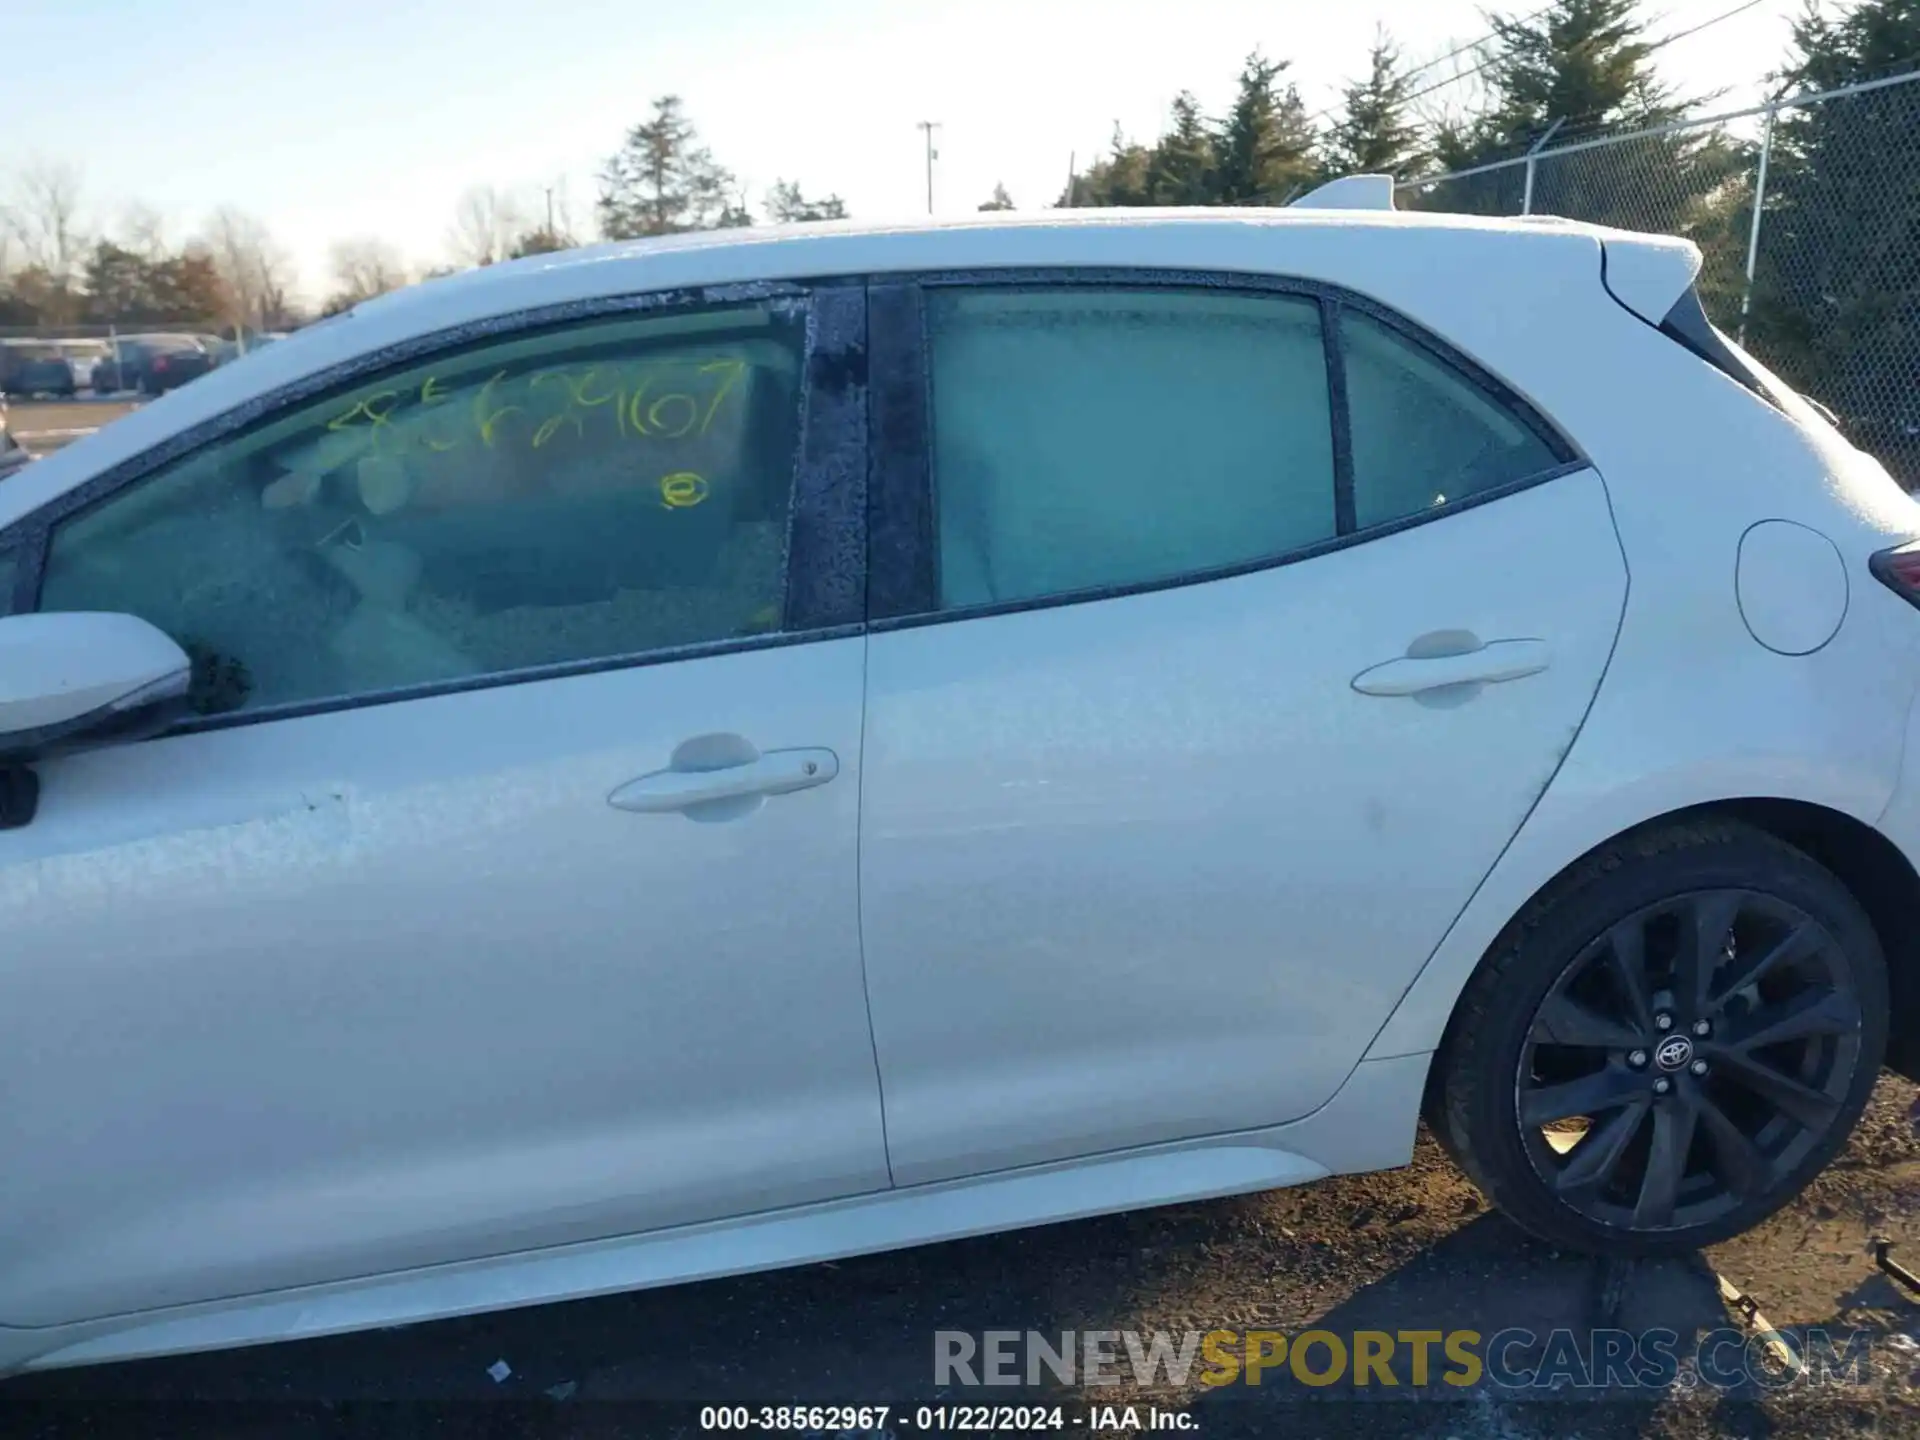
[(1491, 664), (778, 772)]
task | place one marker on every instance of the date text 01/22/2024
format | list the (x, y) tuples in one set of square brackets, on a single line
[(881, 1422)]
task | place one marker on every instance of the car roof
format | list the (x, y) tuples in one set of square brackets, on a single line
[(1396, 257), (1194, 238)]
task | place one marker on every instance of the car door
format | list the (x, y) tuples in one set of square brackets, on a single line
[(1222, 639), (502, 891)]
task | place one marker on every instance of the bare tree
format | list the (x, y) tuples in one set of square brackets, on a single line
[(362, 269), (253, 267), (143, 232), (44, 219), (486, 223)]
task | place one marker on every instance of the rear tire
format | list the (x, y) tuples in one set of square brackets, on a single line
[(1667, 1045)]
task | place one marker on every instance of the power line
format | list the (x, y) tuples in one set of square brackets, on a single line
[(1704, 25), (1657, 45), (1472, 44), (1441, 60)]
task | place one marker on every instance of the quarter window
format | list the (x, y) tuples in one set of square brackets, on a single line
[(1089, 437), (1424, 434), (611, 489)]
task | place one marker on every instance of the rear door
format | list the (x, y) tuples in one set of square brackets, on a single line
[(1222, 640)]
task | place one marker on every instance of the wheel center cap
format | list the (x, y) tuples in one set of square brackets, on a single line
[(1675, 1053)]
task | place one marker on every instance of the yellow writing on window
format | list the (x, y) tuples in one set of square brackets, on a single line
[(658, 400), (682, 490)]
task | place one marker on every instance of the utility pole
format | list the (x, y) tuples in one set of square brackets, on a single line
[(549, 211), (928, 127)]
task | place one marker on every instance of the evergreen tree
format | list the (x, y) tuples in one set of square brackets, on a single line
[(1585, 63), (1836, 304), (1265, 145), (1000, 201), (1119, 178), (662, 181), (1180, 169), (540, 241), (1586, 66), (1375, 134), (787, 206)]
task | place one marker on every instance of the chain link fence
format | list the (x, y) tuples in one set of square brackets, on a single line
[(1821, 280)]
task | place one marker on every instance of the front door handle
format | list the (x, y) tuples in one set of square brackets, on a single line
[(778, 772), (1490, 664)]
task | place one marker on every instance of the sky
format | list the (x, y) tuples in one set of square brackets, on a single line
[(347, 118)]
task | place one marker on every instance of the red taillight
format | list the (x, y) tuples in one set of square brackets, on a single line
[(1899, 571)]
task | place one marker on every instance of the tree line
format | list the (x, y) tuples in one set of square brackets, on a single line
[(54, 271), (1839, 271)]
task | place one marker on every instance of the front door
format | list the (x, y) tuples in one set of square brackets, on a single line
[(1225, 687), (504, 892)]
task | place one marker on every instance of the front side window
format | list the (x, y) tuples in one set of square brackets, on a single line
[(615, 488), (1089, 437)]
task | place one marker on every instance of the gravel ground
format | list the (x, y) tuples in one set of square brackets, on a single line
[(1415, 1248)]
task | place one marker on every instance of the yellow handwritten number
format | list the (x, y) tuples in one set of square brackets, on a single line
[(487, 419), (431, 397), (665, 404), (733, 369)]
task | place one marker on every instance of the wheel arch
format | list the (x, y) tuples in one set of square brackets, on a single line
[(1873, 869), (1880, 877)]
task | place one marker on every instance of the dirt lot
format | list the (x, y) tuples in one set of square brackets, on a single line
[(1413, 1249), (45, 425)]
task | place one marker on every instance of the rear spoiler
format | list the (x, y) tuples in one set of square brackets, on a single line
[(1649, 274)]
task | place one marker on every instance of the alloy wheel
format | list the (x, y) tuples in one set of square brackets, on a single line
[(1688, 1059)]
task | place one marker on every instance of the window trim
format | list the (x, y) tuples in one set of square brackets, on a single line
[(826, 535), (903, 584)]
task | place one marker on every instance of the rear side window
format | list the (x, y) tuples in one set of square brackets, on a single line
[(602, 491), (1092, 437), (1423, 433), (1087, 438)]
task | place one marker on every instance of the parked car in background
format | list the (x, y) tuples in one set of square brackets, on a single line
[(43, 375), (153, 363), (85, 357), (225, 351)]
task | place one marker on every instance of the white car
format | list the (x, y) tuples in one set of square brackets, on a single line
[(701, 755)]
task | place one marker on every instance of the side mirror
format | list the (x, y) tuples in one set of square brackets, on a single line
[(68, 681)]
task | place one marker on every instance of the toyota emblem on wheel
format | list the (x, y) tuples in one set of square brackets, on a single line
[(1674, 1053)]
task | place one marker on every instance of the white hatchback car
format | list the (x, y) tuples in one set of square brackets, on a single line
[(694, 756)]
